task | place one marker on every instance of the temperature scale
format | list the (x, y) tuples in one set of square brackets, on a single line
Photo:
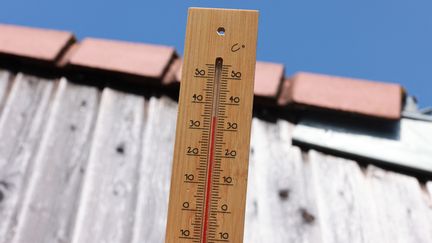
[(210, 165)]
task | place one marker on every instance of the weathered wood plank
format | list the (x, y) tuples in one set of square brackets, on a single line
[(5, 77), (429, 188), (155, 171), (401, 207), (252, 233), (345, 208), (21, 125), (282, 203), (108, 201), (49, 207)]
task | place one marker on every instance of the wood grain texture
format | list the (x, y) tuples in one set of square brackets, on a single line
[(5, 78), (107, 205), (429, 188), (282, 206), (252, 221), (203, 47), (21, 125), (401, 208), (155, 171), (346, 210), (49, 206)]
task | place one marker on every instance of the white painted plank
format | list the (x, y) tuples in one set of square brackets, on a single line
[(49, 206), (5, 77), (282, 204), (401, 208), (155, 171), (107, 205), (345, 208), (21, 125)]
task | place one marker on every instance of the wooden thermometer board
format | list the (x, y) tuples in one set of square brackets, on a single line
[(210, 166)]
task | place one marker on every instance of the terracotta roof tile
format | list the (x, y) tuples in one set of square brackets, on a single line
[(64, 59), (285, 94), (178, 74), (376, 99), (173, 74), (160, 63), (268, 79), (123, 57), (33, 43)]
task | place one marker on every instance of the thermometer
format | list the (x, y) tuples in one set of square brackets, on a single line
[(210, 164)]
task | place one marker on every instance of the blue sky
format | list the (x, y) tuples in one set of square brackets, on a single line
[(386, 40)]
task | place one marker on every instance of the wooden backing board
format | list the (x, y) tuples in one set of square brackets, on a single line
[(211, 34)]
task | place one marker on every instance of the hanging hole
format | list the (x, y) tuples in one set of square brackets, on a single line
[(221, 31)]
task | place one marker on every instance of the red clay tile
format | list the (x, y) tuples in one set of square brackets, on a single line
[(285, 94), (268, 78), (123, 57), (178, 74), (172, 76), (376, 99), (34, 43), (64, 59)]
